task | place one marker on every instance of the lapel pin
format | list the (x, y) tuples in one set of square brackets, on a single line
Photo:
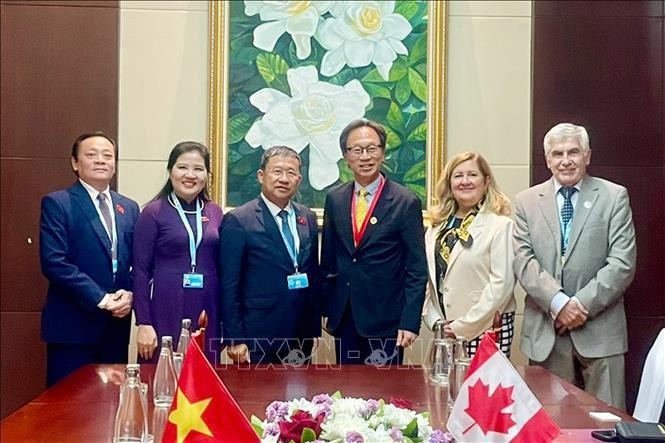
[(205, 219), (587, 204), (120, 209), (301, 220), (373, 220)]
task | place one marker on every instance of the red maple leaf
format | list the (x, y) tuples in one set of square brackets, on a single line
[(486, 409)]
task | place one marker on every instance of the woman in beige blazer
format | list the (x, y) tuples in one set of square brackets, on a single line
[(470, 254)]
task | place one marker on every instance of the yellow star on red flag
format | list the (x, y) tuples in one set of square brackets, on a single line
[(188, 417)]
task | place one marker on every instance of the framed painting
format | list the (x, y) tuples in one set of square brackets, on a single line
[(295, 73)]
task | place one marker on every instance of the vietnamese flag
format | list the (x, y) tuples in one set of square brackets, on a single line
[(203, 409), (494, 404)]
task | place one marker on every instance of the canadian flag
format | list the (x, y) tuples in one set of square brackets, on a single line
[(494, 404)]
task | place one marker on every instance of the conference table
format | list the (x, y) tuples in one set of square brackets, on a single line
[(82, 407)]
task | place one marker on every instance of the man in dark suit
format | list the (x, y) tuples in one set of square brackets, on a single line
[(269, 269), (373, 256), (85, 252)]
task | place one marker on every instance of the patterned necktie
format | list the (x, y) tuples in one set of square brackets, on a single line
[(567, 208), (287, 231), (361, 207), (104, 209)]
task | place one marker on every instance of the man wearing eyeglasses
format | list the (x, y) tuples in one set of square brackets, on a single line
[(372, 255)]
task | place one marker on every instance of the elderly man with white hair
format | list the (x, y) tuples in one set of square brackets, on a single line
[(575, 256)]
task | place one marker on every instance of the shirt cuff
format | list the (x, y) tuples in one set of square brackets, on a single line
[(105, 301), (558, 302)]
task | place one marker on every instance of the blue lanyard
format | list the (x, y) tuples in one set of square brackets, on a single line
[(199, 227), (292, 253)]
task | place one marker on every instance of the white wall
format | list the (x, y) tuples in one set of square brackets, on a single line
[(164, 81)]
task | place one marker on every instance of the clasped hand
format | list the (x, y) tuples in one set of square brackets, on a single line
[(120, 303), (572, 315)]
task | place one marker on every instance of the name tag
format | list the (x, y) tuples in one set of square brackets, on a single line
[(192, 281), (297, 281)]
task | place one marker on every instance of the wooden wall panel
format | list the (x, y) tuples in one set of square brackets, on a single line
[(59, 78), (600, 64)]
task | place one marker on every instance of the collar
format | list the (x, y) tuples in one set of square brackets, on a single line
[(274, 209), (558, 185), (371, 188), (94, 192)]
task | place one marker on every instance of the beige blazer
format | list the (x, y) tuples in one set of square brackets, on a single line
[(479, 280), (599, 265)]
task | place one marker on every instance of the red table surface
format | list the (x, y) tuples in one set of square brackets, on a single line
[(81, 408)]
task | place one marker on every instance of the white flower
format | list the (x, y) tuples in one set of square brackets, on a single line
[(339, 425), (398, 417), (299, 18), (361, 33), (314, 115)]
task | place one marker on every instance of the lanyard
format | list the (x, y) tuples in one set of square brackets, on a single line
[(358, 234), (199, 227), (292, 253)]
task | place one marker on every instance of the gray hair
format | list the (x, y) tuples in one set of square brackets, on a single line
[(278, 151), (564, 131)]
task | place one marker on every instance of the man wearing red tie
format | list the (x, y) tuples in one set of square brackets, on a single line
[(85, 251), (372, 255)]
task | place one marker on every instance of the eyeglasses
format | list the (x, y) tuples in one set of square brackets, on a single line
[(357, 151)]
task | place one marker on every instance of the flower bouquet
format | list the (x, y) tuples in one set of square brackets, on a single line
[(333, 418)]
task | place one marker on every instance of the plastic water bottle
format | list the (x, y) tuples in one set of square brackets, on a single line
[(165, 383), (131, 419)]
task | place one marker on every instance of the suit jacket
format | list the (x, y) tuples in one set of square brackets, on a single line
[(599, 265), (479, 280), (384, 277), (254, 265), (75, 254)]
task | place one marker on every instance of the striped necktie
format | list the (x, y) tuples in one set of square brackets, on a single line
[(106, 214)]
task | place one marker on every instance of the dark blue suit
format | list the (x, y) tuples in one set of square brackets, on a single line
[(256, 301), (378, 287), (75, 254)]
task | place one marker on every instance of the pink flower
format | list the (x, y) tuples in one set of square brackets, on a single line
[(299, 420)]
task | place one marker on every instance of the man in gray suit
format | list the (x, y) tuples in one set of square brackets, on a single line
[(575, 257)]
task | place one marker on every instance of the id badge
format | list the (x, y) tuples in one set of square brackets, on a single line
[(297, 281), (192, 281)]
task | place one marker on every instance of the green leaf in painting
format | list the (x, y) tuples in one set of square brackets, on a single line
[(397, 71), (395, 118), (408, 8), (246, 165), (270, 66), (375, 90), (419, 190), (402, 90), (239, 124), (392, 139), (418, 85), (418, 50), (345, 173), (419, 133), (415, 173)]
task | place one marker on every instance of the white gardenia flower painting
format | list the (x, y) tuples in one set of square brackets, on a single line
[(314, 115), (297, 18), (362, 33), (300, 71)]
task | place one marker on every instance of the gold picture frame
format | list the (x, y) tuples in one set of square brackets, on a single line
[(218, 115)]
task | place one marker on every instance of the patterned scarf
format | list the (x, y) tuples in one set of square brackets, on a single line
[(447, 237)]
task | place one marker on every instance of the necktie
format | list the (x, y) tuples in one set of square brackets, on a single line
[(104, 209), (361, 207), (287, 231), (567, 208)]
